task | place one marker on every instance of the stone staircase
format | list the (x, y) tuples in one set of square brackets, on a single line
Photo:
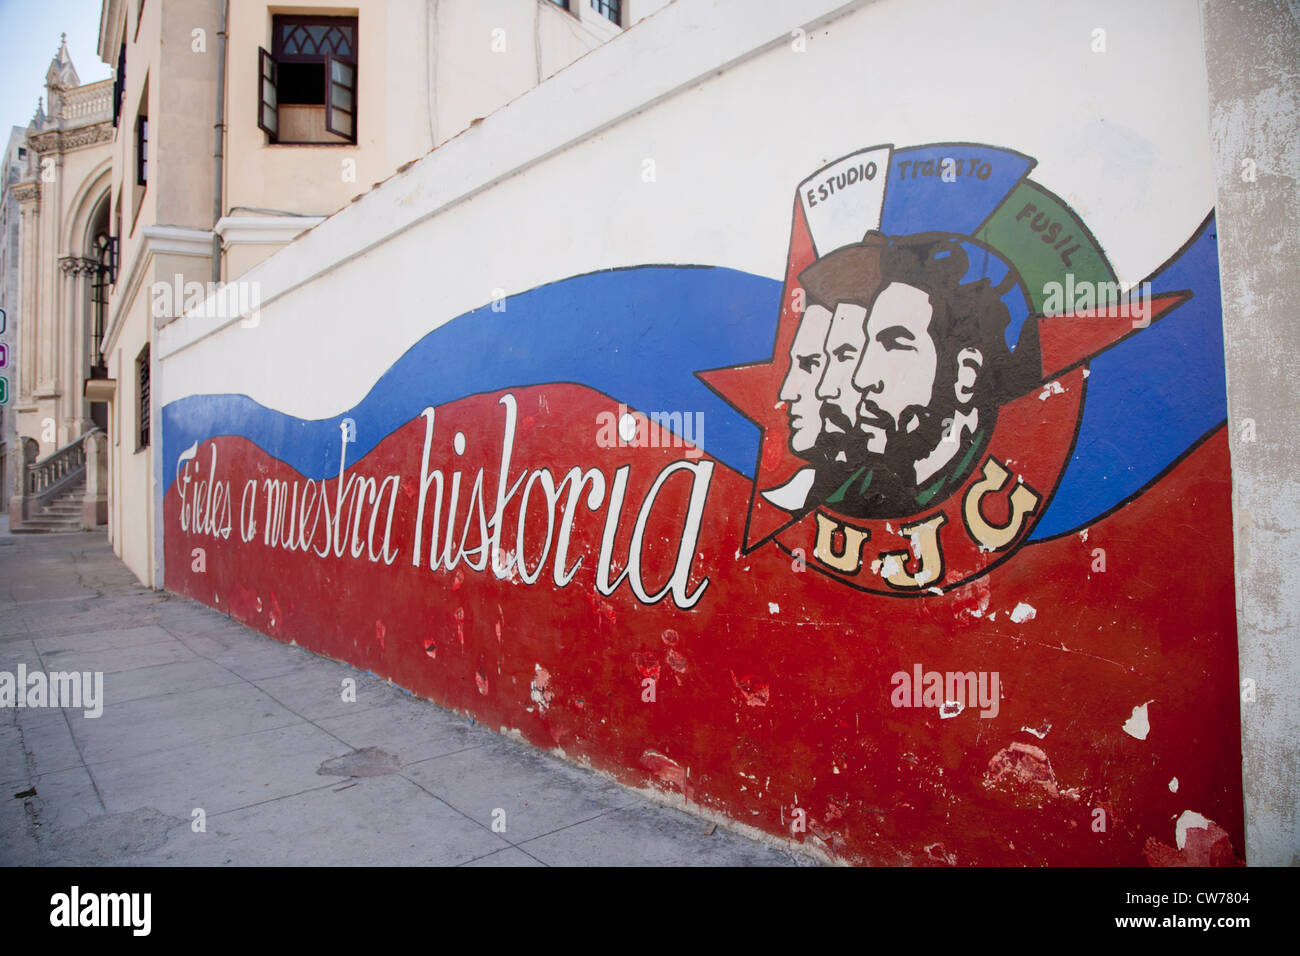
[(63, 513)]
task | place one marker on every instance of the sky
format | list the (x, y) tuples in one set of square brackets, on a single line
[(29, 38)]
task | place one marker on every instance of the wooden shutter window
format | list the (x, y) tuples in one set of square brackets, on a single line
[(268, 107), (340, 98)]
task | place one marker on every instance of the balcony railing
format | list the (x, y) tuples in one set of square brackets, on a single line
[(88, 104)]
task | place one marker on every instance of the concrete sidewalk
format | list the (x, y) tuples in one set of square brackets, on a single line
[(204, 714)]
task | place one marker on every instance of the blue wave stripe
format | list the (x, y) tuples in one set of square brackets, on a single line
[(636, 334), (1149, 398)]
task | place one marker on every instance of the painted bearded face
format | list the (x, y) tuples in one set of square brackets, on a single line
[(896, 374), (914, 357)]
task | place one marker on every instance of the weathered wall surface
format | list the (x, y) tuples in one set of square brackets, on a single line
[(748, 414), (1253, 59)]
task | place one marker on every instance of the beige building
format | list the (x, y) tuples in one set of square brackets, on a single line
[(240, 124), (13, 170), (58, 303)]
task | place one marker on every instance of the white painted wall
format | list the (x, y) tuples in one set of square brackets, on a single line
[(733, 118)]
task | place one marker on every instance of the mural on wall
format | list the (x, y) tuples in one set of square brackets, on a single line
[(924, 388), (919, 556)]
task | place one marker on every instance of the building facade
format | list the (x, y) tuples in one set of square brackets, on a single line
[(59, 287), (315, 103), (12, 172)]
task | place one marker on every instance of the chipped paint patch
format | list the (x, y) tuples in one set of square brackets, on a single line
[(1023, 612), (755, 692), (668, 770), (538, 690), (936, 852), (1023, 770), (1173, 785), (1201, 842), (1189, 820), (1139, 725)]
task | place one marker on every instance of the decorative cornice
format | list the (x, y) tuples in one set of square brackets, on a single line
[(174, 239), (65, 140), (258, 230), (78, 266), (27, 192), (156, 240)]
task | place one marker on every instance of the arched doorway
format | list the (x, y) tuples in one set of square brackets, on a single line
[(101, 256)]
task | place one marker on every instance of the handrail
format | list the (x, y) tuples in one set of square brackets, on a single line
[(44, 479)]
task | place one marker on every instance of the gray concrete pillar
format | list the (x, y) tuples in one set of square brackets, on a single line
[(1252, 57)]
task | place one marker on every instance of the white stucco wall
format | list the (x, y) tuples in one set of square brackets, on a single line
[(732, 117)]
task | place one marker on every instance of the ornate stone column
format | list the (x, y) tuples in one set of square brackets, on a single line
[(64, 362), (74, 359), (29, 198)]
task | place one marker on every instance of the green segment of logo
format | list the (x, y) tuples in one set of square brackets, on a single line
[(1045, 241)]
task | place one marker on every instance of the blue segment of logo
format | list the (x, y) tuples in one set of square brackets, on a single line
[(919, 202)]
